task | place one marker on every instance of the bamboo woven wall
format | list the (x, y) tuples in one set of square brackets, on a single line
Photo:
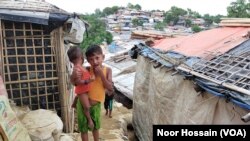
[(29, 66)]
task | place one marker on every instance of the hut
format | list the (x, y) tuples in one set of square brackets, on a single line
[(32, 55), (197, 79)]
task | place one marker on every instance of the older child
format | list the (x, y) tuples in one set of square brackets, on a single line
[(81, 79), (102, 82)]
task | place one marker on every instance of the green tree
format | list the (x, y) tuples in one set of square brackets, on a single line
[(239, 9), (188, 22), (137, 7), (171, 18), (114, 9), (177, 11), (168, 18), (130, 5), (160, 26), (217, 18), (107, 11), (137, 22), (173, 15), (193, 14), (196, 28), (208, 19), (98, 12), (96, 33)]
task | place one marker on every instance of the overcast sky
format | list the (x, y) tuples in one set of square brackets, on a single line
[(212, 7)]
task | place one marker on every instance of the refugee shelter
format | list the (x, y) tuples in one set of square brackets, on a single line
[(33, 58), (198, 79)]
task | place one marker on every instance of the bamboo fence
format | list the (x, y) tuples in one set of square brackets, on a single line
[(34, 69)]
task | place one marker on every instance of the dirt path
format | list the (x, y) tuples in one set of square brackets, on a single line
[(111, 128)]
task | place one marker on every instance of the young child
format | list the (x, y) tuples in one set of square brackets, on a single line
[(108, 103), (80, 78), (102, 82)]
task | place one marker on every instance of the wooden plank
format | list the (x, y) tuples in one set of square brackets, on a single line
[(235, 24), (236, 21), (232, 19)]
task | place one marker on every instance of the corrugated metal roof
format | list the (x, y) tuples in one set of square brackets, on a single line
[(30, 5), (218, 40)]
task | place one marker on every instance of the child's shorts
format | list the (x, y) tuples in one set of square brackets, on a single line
[(95, 113)]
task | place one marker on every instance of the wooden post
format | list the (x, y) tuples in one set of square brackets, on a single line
[(61, 72)]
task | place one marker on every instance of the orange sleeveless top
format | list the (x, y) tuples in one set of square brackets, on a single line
[(97, 91), (83, 88)]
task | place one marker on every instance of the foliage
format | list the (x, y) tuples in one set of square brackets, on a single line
[(110, 10), (98, 12), (188, 22), (171, 19), (193, 14), (131, 6), (137, 7), (173, 15), (196, 28), (208, 19), (239, 9), (137, 22), (96, 33), (217, 18), (160, 26), (176, 11)]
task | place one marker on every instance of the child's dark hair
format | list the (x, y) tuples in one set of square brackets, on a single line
[(91, 50), (74, 53)]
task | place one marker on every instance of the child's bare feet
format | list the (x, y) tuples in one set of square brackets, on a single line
[(110, 116)]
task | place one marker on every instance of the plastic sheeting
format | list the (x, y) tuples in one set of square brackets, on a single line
[(236, 97), (50, 20), (170, 99), (76, 32)]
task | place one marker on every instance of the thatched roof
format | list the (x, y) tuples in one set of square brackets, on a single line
[(30, 5)]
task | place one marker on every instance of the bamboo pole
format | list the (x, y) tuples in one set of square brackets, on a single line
[(7, 61), (1, 49), (59, 46), (227, 85), (32, 80)]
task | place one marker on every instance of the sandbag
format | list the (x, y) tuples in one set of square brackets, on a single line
[(19, 111), (43, 125), (11, 129), (66, 137)]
